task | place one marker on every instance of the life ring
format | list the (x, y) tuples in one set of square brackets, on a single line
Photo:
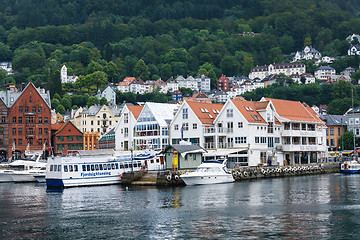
[(263, 171), (255, 172), (168, 177), (245, 174), (176, 177)]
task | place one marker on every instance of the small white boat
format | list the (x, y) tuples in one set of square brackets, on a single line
[(209, 172), (350, 167), (23, 170)]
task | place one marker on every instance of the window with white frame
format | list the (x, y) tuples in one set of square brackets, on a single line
[(176, 127), (194, 125), (239, 140), (185, 113), (229, 113), (185, 126), (240, 125)]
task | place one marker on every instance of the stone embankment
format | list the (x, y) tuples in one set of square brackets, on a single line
[(168, 178)]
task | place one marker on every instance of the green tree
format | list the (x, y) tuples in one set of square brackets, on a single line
[(103, 101), (94, 67), (166, 71), (54, 83), (348, 140), (60, 109), (66, 102), (55, 103), (5, 52), (248, 64), (307, 41), (343, 89), (92, 101), (112, 71), (97, 79), (340, 105), (230, 66), (141, 70)]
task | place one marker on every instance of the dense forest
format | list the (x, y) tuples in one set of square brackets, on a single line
[(103, 41)]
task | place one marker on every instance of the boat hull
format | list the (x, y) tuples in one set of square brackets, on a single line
[(65, 183), (5, 177), (350, 171), (202, 180), (22, 177)]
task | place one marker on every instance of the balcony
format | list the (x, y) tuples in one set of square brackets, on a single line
[(225, 145), (301, 148), (209, 130), (209, 145), (222, 131)]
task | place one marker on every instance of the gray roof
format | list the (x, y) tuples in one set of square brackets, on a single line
[(325, 68), (186, 148), (93, 110), (334, 120), (10, 97)]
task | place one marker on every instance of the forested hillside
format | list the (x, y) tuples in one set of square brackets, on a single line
[(105, 40)]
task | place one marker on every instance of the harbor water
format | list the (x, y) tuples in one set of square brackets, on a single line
[(305, 207)]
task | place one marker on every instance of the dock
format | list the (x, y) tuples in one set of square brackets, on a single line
[(172, 178)]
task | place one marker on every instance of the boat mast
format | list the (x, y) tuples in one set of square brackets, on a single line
[(352, 103)]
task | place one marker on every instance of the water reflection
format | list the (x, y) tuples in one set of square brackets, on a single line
[(324, 206)]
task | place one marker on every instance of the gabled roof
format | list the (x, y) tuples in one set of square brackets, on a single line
[(248, 110), (162, 112), (206, 112), (63, 125), (294, 110), (129, 79), (123, 84), (135, 110), (93, 110), (324, 68), (200, 95), (334, 120)]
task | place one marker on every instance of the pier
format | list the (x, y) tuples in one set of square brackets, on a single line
[(172, 178)]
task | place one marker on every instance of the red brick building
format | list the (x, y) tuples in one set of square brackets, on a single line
[(67, 139), (4, 128), (223, 84), (29, 120)]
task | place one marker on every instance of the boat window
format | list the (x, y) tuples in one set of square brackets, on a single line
[(84, 168), (113, 166), (100, 165), (108, 166), (96, 167), (51, 168), (88, 168), (121, 166), (59, 168), (70, 168), (92, 168), (130, 165), (152, 161), (135, 164), (140, 164), (116, 165), (65, 168), (105, 167), (126, 165)]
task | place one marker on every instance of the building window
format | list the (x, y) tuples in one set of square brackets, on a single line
[(14, 131), (98, 123), (176, 127), (194, 126), (45, 131), (332, 131), (29, 99), (230, 127), (339, 133), (240, 124), (40, 141), (185, 113), (126, 132), (40, 119), (126, 118), (229, 113), (34, 109), (40, 131), (26, 109), (1, 130), (19, 142), (20, 131), (20, 109), (332, 142), (92, 122), (257, 140), (45, 120), (240, 140), (39, 109), (3, 119), (185, 126), (14, 119)]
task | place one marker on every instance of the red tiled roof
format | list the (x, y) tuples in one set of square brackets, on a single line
[(294, 110), (248, 110), (129, 79), (57, 126), (135, 110), (206, 112)]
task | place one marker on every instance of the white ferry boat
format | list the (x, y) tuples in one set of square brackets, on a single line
[(350, 167), (94, 167)]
